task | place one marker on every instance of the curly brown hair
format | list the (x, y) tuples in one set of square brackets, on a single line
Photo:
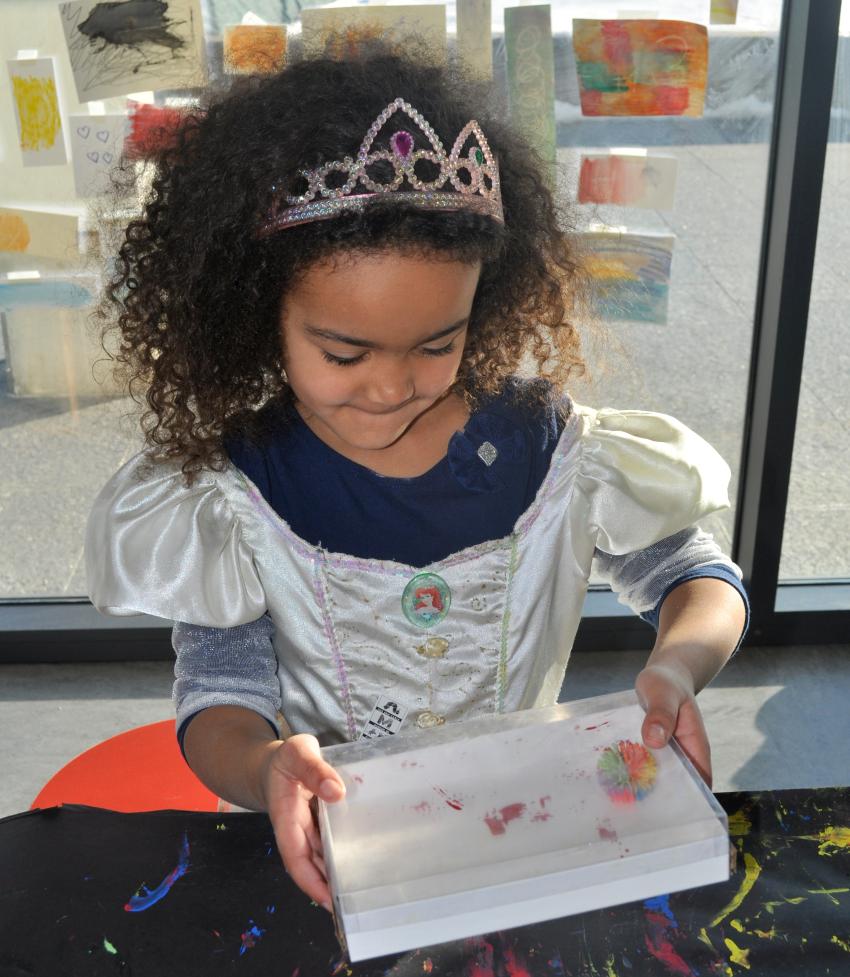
[(198, 293)]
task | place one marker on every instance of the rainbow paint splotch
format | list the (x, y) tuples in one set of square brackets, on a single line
[(627, 771)]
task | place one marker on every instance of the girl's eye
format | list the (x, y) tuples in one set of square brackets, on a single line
[(341, 361), (441, 351)]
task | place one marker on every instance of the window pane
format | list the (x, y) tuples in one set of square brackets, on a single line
[(695, 364), (62, 434), (817, 522)]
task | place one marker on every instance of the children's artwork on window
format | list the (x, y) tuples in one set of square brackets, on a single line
[(133, 45), (41, 234), (341, 30), (475, 35), (531, 74), (254, 49), (97, 142), (723, 11), (629, 180), (641, 67), (150, 129), (37, 112), (631, 274)]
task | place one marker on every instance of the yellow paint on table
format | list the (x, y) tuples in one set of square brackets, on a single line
[(752, 870), (737, 955), (38, 110)]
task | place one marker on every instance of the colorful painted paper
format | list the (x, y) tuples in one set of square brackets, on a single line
[(630, 274), (641, 67), (723, 12), (475, 36), (152, 129), (37, 112), (254, 49), (41, 234), (638, 180), (341, 30), (531, 74), (133, 45), (97, 142)]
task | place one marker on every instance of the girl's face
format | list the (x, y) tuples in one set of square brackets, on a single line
[(372, 341)]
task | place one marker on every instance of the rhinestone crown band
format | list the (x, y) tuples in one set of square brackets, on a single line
[(320, 201)]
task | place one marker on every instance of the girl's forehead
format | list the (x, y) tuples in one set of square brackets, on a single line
[(364, 291)]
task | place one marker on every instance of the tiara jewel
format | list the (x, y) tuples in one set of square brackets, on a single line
[(479, 191)]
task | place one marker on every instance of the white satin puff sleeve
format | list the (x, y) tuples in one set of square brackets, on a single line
[(645, 476), (155, 546)]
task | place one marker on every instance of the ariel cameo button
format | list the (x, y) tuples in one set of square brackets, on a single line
[(426, 600)]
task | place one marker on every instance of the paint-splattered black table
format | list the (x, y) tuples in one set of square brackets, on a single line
[(86, 892)]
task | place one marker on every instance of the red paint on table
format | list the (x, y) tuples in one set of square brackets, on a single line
[(357, 778), (423, 807), (599, 726), (513, 967), (606, 834), (659, 945)]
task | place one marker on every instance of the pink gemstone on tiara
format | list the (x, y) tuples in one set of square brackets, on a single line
[(401, 143)]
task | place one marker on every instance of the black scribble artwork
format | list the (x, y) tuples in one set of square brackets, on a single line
[(122, 46), (131, 22)]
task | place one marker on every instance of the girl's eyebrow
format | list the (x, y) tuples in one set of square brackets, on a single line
[(366, 344)]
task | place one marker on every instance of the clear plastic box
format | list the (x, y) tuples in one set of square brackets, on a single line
[(499, 822)]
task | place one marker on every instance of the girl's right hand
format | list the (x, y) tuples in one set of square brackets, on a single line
[(294, 774)]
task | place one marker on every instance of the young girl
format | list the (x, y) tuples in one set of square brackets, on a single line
[(357, 512)]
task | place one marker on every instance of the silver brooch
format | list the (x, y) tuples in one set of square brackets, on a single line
[(488, 453)]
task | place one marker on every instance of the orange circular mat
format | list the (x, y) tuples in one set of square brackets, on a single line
[(139, 770)]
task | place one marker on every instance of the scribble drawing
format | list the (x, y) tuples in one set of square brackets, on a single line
[(122, 46), (38, 110), (132, 22)]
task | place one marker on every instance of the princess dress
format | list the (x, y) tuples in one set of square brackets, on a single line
[(486, 629)]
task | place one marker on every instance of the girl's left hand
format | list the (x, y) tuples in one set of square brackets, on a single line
[(666, 693)]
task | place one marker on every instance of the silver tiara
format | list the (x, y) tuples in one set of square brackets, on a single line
[(481, 193)]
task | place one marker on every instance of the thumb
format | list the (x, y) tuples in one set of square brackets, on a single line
[(660, 700), (658, 727)]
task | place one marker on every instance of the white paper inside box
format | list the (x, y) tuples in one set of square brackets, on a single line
[(499, 822)]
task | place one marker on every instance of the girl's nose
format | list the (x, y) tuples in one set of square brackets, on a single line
[(392, 385)]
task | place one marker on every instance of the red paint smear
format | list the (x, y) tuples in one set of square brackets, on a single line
[(427, 966), (606, 834), (512, 812), (599, 726), (542, 801), (153, 130), (513, 967), (453, 802), (495, 825), (497, 822), (357, 778), (543, 816), (423, 807), (659, 945)]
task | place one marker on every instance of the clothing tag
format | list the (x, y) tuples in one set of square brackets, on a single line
[(386, 719)]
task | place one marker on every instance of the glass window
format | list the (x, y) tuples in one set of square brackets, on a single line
[(817, 520)]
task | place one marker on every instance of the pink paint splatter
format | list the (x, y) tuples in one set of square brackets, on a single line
[(357, 779), (453, 802), (606, 723), (423, 807), (606, 834)]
